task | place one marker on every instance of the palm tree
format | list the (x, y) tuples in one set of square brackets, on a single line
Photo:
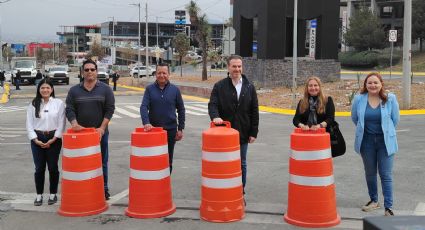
[(203, 33)]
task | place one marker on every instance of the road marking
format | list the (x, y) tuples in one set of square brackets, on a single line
[(196, 109), (195, 113), (125, 112), (12, 131), (420, 209), (117, 197), (133, 108), (5, 135), (402, 130)]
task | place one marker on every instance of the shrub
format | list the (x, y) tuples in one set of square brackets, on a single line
[(366, 59), (384, 59)]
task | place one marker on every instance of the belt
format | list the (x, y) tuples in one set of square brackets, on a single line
[(46, 133)]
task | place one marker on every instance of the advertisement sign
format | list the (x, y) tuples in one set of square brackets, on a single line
[(313, 26), (180, 21)]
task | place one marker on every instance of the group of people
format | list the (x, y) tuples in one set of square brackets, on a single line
[(234, 98)]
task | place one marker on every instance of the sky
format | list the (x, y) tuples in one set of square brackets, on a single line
[(39, 20)]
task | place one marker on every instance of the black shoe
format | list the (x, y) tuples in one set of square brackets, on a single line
[(107, 195), (52, 201), (38, 202), (389, 212)]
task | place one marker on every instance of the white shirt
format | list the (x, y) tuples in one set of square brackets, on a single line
[(52, 117), (239, 87)]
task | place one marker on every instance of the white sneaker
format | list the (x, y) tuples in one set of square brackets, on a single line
[(370, 206)]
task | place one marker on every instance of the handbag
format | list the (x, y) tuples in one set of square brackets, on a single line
[(338, 147)]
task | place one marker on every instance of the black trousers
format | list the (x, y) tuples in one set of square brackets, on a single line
[(49, 156), (171, 138)]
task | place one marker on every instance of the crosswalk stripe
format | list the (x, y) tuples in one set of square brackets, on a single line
[(5, 135), (12, 132), (116, 116), (132, 107), (7, 128), (125, 112), (196, 108), (195, 113)]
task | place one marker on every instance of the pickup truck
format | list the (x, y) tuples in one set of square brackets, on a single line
[(141, 71), (58, 74)]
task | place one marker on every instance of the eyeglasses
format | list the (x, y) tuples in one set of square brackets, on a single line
[(87, 70)]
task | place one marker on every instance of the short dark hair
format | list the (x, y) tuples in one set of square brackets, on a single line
[(233, 56), (162, 65), (89, 61)]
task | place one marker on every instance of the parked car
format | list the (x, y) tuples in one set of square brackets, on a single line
[(193, 56), (58, 74), (102, 74), (141, 71)]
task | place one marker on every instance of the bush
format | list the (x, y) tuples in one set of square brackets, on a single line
[(365, 59), (384, 59)]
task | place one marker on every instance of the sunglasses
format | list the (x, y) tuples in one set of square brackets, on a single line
[(87, 70)]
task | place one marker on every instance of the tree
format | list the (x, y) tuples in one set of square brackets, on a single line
[(182, 44), (418, 21), (96, 50), (365, 31), (203, 33)]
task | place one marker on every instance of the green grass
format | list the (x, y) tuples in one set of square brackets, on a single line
[(418, 63)]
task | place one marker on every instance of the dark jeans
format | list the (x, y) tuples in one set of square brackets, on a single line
[(49, 156), (17, 83), (105, 157), (115, 86), (171, 138), (244, 150)]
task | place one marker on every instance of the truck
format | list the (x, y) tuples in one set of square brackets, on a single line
[(27, 66), (58, 74)]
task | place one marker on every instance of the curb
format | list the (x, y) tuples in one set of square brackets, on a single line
[(6, 94), (382, 72), (279, 110)]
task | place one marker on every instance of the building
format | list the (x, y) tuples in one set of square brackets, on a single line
[(79, 38)]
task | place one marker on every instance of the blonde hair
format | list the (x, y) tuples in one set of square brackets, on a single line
[(321, 99)]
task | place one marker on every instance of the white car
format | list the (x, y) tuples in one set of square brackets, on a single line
[(194, 56), (58, 74), (141, 71)]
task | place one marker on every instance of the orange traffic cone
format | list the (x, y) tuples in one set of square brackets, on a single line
[(82, 192), (222, 192), (311, 189), (150, 193)]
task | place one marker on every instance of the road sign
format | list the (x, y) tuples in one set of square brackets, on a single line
[(392, 37)]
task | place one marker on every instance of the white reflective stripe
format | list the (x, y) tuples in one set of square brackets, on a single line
[(149, 151), (221, 156), (311, 181), (149, 175), (81, 152), (222, 183), (311, 155), (79, 176)]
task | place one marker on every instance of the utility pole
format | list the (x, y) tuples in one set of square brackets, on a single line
[(407, 53), (147, 43), (138, 43), (294, 54), (1, 43), (157, 33)]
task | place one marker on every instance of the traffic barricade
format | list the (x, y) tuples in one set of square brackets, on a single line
[(82, 191), (311, 189), (150, 194), (222, 190)]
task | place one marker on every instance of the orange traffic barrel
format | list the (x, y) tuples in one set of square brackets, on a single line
[(221, 192), (82, 192), (311, 189), (150, 193)]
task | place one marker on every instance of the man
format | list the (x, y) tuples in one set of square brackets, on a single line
[(91, 103), (18, 78), (160, 102), (234, 99), (38, 77), (115, 77)]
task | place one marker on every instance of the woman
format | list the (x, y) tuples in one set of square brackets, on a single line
[(45, 124), (314, 110), (376, 115)]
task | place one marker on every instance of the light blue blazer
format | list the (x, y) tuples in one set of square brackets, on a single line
[(390, 116)]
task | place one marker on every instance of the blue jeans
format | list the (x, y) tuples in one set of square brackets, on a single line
[(49, 156), (171, 138), (375, 158), (244, 150), (105, 157)]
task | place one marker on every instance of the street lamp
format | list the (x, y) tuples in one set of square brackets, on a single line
[(138, 42), (1, 47)]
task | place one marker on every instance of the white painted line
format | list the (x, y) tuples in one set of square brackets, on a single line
[(195, 113), (125, 112), (13, 131), (5, 135), (420, 209), (116, 116), (132, 107), (117, 197), (205, 106), (196, 109), (7, 128), (402, 130)]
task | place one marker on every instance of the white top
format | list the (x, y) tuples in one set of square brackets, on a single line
[(52, 117), (239, 87)]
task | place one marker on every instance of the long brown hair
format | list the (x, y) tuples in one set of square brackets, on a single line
[(382, 94), (321, 99)]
